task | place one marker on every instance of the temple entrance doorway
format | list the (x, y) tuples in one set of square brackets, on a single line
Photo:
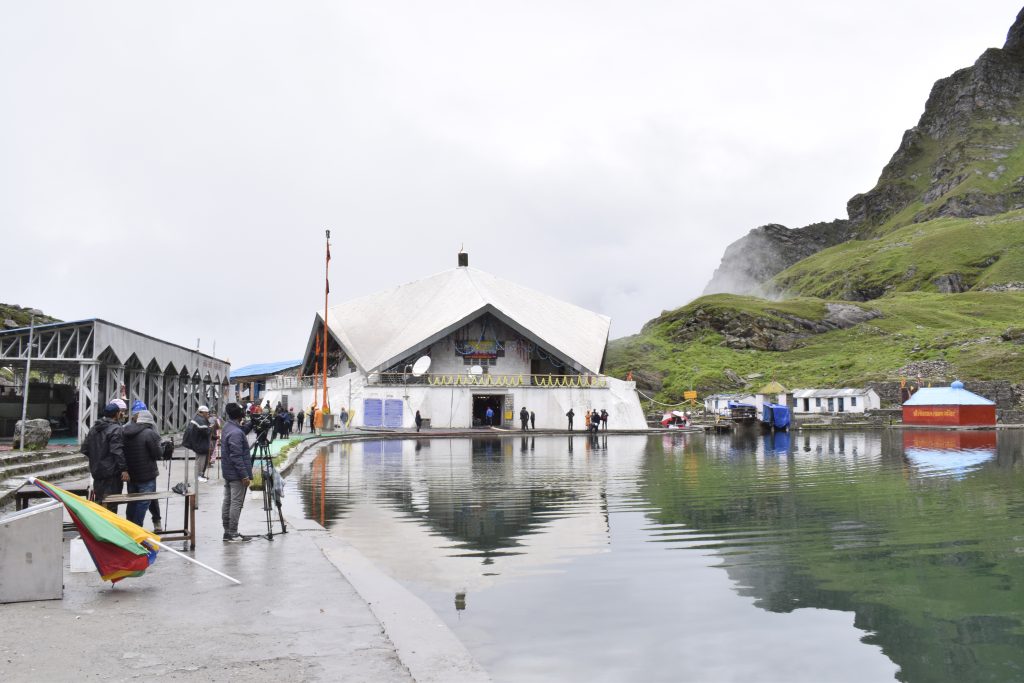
[(481, 402)]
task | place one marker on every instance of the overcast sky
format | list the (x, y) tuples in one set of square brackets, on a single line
[(171, 167)]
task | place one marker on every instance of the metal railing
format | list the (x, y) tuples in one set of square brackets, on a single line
[(468, 380), (279, 382)]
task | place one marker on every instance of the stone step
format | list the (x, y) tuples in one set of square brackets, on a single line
[(48, 462), (51, 474), (12, 457)]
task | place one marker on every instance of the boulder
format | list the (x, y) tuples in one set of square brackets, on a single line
[(37, 434), (1014, 335), (950, 283), (649, 381), (733, 377)]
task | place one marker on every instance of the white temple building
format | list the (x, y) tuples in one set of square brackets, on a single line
[(490, 343)]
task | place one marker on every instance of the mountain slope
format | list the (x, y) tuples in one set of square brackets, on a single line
[(963, 159), (947, 255), (975, 335), (926, 275), (16, 316)]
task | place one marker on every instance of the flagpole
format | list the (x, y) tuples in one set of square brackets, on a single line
[(327, 291), (191, 559), (24, 389)]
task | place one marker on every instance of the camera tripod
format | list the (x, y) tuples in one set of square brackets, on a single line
[(271, 494)]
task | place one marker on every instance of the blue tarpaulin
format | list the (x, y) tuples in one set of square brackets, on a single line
[(774, 415)]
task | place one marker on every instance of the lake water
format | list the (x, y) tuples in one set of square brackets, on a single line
[(823, 556)]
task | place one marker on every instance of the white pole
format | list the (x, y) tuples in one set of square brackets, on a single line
[(28, 372), (192, 559)]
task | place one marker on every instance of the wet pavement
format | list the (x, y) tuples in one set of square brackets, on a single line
[(295, 616)]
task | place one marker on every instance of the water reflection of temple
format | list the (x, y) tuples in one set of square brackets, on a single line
[(508, 505)]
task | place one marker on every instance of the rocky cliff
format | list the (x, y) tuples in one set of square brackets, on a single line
[(750, 262), (12, 316), (962, 159)]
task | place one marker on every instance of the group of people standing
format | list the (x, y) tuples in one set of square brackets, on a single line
[(594, 419), (123, 454), (120, 455), (283, 422)]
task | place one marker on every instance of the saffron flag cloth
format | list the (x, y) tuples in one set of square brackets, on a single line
[(118, 547)]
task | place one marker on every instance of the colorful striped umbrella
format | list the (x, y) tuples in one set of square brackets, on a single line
[(118, 547)]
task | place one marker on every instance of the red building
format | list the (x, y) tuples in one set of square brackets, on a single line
[(951, 406)]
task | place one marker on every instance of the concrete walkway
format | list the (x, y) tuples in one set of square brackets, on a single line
[(295, 616)]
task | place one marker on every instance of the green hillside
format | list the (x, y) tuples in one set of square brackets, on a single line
[(973, 253), (978, 333), (927, 269), (973, 166), (21, 316)]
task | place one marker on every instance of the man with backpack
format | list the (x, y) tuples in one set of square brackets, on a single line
[(142, 450), (104, 447), (197, 439)]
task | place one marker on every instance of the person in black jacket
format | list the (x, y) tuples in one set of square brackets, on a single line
[(104, 447), (197, 438), (236, 467), (141, 452)]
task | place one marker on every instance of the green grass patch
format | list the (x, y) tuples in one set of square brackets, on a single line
[(961, 329), (277, 459), (983, 251)]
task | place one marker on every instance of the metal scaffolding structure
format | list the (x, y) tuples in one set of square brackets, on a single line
[(109, 361)]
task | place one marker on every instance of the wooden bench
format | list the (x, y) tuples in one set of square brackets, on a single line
[(28, 492), (188, 530)]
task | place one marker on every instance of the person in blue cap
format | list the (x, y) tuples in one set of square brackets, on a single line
[(139, 407)]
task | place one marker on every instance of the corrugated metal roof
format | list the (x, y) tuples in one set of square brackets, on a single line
[(826, 393), (380, 329), (264, 368), (953, 395)]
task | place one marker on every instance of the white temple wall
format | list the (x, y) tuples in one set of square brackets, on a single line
[(448, 407), (452, 407), (337, 394)]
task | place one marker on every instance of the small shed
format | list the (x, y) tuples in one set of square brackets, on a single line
[(252, 381), (718, 404), (773, 392), (845, 400), (952, 406)]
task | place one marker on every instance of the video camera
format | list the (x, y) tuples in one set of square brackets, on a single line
[(261, 423)]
